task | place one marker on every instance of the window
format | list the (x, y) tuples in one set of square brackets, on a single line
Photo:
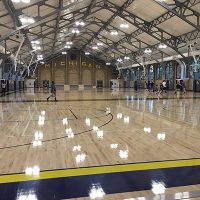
[(137, 74), (151, 72), (169, 71), (132, 73), (178, 72), (159, 72)]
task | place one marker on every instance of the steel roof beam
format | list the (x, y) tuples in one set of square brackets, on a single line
[(11, 9), (109, 21), (87, 13), (150, 29), (60, 5), (182, 11), (38, 19), (156, 22)]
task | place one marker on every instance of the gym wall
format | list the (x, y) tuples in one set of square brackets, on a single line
[(75, 69)]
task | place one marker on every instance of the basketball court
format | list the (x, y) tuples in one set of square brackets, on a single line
[(100, 99)]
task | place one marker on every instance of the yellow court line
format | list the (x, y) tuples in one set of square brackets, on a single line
[(99, 170)]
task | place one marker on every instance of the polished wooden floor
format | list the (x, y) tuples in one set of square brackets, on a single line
[(137, 127)]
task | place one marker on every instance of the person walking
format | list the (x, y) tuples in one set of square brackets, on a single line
[(3, 86), (135, 86), (183, 87), (53, 91)]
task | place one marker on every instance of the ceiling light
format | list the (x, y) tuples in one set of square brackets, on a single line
[(87, 53), (35, 42), (69, 43), (80, 23), (26, 1), (31, 20), (148, 50), (40, 57), (25, 20), (16, 1), (162, 46), (75, 31), (108, 64), (99, 44), (126, 58), (95, 47), (119, 60), (124, 25), (114, 33), (67, 46)]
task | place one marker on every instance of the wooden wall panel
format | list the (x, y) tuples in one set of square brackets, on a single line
[(87, 77), (100, 75), (73, 77), (75, 70), (59, 75), (45, 74)]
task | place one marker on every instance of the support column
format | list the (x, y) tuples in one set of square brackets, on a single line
[(52, 71), (66, 86), (81, 86), (94, 75), (154, 72), (175, 72), (38, 77), (107, 81)]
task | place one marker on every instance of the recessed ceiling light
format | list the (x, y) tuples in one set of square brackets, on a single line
[(119, 60), (95, 47), (162, 46), (25, 20), (114, 33), (99, 44), (148, 50), (16, 1), (25, 1), (75, 31), (80, 23), (67, 46), (126, 58), (124, 25)]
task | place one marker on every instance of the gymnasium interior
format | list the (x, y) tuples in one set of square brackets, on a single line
[(100, 99)]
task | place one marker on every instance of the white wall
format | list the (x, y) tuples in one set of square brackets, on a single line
[(30, 83)]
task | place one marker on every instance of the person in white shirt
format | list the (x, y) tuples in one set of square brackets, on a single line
[(164, 84), (3, 86)]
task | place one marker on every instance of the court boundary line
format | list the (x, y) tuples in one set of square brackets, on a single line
[(54, 139), (71, 100), (95, 170)]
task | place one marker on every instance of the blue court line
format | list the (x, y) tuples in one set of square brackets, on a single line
[(111, 183)]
